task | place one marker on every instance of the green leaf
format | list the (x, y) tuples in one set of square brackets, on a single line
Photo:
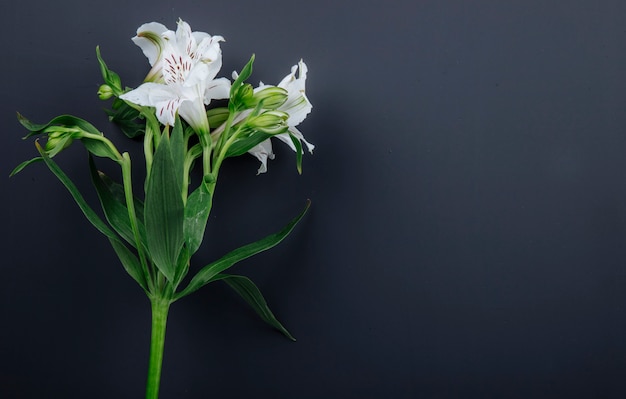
[(246, 142), (130, 262), (113, 203), (182, 266), (24, 164), (178, 150), (298, 146), (243, 75), (252, 295), (126, 118), (197, 212), (99, 148), (207, 273), (164, 212), (62, 120), (78, 198), (94, 219), (110, 78)]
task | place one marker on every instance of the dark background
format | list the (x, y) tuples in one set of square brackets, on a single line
[(468, 227)]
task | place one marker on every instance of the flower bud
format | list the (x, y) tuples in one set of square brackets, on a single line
[(243, 97), (105, 92), (272, 97), (270, 122), (59, 138), (54, 145)]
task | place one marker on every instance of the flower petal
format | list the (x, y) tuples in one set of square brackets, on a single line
[(262, 152), (297, 105), (149, 39), (217, 89), (164, 98)]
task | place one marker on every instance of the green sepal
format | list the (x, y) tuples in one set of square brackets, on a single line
[(24, 164), (164, 211), (207, 273), (113, 201), (252, 295)]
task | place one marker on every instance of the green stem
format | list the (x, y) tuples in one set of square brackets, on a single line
[(132, 216), (160, 308)]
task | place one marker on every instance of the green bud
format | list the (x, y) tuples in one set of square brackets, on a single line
[(105, 92), (272, 97), (270, 122), (54, 145), (59, 138)]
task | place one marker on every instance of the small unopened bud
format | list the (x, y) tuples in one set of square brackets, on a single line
[(54, 145), (59, 138), (272, 97), (270, 122), (105, 92)]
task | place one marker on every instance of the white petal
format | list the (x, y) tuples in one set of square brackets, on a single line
[(184, 39), (195, 114), (217, 89), (176, 65), (262, 152), (149, 39), (284, 137), (300, 136), (164, 98), (208, 49), (297, 105)]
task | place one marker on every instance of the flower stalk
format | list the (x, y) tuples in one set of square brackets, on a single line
[(160, 309)]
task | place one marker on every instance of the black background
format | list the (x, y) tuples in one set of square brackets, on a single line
[(466, 238)]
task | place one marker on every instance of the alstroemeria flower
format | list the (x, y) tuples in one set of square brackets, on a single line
[(297, 106), (188, 63)]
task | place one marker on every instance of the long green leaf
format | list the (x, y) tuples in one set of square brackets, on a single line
[(207, 273), (164, 212), (110, 78), (24, 164), (118, 246), (252, 295), (80, 201), (113, 204), (296, 142), (130, 262), (62, 120), (178, 150), (245, 143)]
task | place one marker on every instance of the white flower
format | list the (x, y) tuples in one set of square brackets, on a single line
[(182, 79), (297, 106)]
